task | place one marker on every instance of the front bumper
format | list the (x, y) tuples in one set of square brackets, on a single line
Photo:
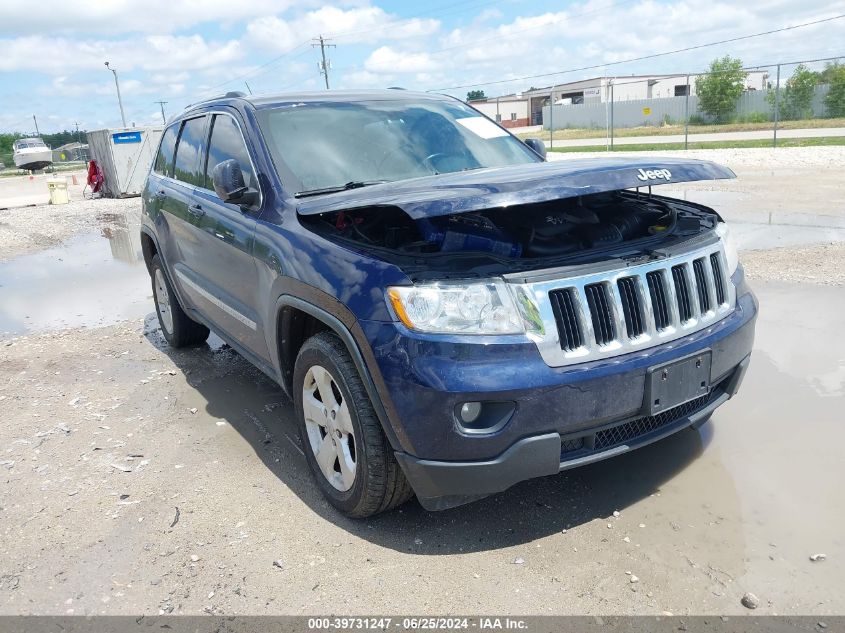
[(442, 485), (563, 417)]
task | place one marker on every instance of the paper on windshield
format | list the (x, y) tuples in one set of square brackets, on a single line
[(482, 127)]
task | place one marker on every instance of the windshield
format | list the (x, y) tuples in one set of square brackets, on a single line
[(326, 145), (29, 144)]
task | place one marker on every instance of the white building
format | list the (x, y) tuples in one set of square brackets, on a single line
[(508, 111), (526, 108)]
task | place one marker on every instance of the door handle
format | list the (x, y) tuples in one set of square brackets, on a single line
[(196, 210), (161, 193)]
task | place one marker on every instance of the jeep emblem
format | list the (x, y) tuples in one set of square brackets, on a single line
[(654, 174)]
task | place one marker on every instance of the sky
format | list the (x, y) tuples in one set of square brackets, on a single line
[(52, 52)]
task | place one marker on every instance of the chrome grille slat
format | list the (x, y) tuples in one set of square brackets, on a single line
[(718, 279), (680, 280), (659, 300), (604, 314), (703, 288), (630, 302), (600, 313), (566, 316)]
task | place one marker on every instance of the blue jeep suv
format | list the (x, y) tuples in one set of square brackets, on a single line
[(450, 313)]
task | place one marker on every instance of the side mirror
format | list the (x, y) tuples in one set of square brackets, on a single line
[(228, 181), (537, 145)]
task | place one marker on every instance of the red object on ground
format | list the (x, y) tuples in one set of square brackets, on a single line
[(73, 179), (95, 176)]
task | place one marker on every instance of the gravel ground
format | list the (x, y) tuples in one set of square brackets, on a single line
[(29, 229), (816, 264), (139, 479)]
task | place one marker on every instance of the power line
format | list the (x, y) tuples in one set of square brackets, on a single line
[(644, 57), (253, 72)]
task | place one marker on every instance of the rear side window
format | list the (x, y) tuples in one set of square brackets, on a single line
[(164, 158), (227, 143), (187, 164)]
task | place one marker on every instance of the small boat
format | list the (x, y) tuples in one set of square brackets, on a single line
[(31, 154)]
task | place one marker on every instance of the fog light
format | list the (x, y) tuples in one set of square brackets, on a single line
[(470, 412)]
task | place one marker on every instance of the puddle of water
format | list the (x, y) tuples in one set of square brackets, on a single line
[(92, 279)]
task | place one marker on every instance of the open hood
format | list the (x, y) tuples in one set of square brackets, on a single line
[(466, 191)]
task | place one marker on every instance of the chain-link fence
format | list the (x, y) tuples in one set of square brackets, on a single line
[(796, 103)]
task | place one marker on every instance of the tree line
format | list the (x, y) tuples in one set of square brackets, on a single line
[(720, 88)]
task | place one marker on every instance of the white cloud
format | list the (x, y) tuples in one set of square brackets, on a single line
[(347, 26), (117, 17), (153, 52), (388, 60)]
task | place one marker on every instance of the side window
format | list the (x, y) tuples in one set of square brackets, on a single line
[(164, 158), (227, 143), (188, 151)]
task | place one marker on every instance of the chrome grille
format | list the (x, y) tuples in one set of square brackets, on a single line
[(613, 312)]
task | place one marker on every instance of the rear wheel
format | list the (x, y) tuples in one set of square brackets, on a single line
[(349, 456), (176, 326)]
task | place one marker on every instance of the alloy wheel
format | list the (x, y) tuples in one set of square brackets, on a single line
[(328, 422)]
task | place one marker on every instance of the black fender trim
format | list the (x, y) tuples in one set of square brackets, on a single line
[(338, 327)]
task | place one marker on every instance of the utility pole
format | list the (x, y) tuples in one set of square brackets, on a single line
[(34, 120), (119, 100), (76, 123), (686, 116), (777, 109), (161, 104), (325, 64)]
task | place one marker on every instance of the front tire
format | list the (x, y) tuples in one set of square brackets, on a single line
[(344, 444), (176, 326)]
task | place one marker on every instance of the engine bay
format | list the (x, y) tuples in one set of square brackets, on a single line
[(559, 230)]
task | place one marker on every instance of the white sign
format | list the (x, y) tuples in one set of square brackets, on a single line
[(592, 92), (482, 126)]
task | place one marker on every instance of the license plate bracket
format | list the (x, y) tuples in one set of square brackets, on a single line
[(680, 381)]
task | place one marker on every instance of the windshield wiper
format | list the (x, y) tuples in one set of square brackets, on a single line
[(352, 184)]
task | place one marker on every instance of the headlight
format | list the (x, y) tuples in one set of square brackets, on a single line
[(731, 254), (450, 308)]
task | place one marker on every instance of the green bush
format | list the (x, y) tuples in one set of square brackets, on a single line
[(796, 97), (697, 119), (720, 88), (834, 102), (754, 117)]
